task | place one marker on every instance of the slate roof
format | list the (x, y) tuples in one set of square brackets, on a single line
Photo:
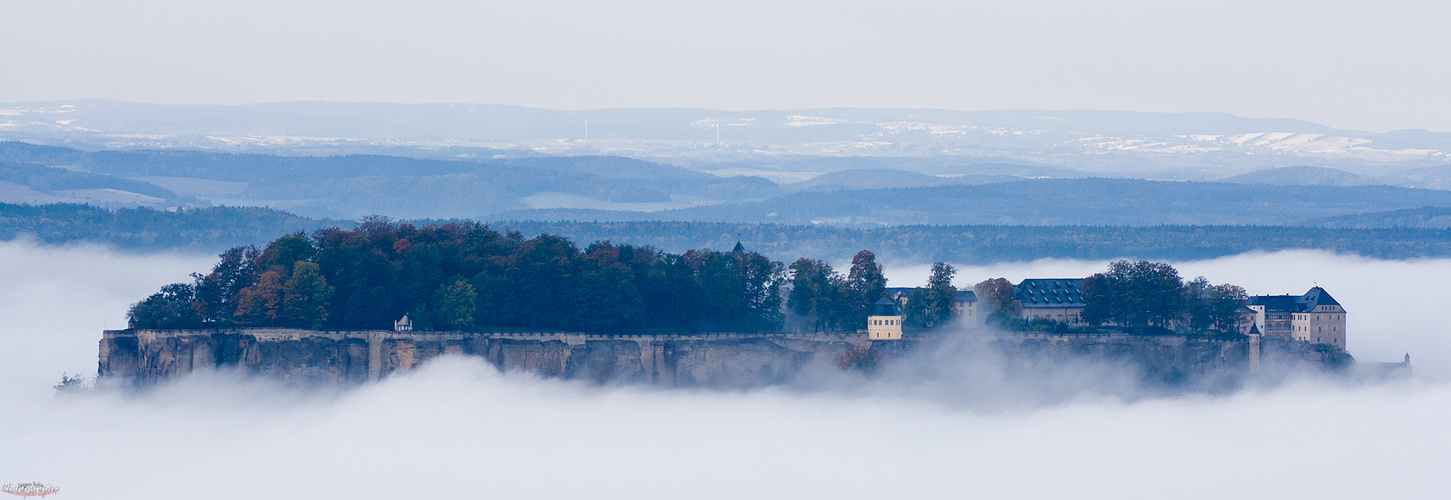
[(885, 307), (1318, 297), (1294, 303), (906, 292), (1040, 293), (899, 291)]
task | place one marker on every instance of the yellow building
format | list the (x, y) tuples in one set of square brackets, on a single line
[(885, 322)]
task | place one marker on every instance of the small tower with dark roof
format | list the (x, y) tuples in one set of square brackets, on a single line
[(885, 322)]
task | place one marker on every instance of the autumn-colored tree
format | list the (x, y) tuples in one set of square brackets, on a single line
[(259, 303), (995, 297)]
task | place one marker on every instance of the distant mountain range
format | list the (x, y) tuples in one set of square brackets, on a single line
[(626, 189), (1423, 217), (216, 228), (1168, 146), (1089, 202)]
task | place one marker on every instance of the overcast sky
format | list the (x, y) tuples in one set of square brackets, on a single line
[(1365, 65)]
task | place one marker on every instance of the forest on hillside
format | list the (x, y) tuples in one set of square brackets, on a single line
[(466, 276)]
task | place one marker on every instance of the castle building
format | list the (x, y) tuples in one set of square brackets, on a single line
[(1314, 317), (964, 302), (964, 305), (1053, 299), (885, 322)]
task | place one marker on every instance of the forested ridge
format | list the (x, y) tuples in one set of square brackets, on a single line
[(468, 277), (465, 276), (204, 228)]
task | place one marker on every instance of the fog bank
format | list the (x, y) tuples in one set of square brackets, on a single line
[(459, 429), (1391, 305)]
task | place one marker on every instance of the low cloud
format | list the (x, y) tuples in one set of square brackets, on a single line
[(459, 429)]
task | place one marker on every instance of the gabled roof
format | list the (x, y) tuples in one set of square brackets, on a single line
[(1049, 293), (1295, 303), (885, 307), (895, 291), (908, 292), (1318, 297)]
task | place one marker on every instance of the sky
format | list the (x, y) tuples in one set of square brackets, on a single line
[(1357, 65), (457, 428)]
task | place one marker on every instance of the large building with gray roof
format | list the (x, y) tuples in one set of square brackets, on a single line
[(1314, 317)]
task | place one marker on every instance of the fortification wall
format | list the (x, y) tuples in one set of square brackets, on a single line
[(147, 356), (717, 360)]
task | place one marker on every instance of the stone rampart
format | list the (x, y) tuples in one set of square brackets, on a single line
[(686, 360), (716, 359)]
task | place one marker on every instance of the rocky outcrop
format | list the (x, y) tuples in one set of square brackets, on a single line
[(716, 360), (730, 360)]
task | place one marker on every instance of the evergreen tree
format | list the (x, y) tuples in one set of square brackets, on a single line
[(305, 296), (173, 307), (816, 293), (932, 306), (455, 304), (608, 300), (865, 285)]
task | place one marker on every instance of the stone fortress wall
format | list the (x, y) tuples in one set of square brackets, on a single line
[(687, 360)]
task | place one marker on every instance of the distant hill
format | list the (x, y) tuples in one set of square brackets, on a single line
[(33, 183), (1044, 202), (1423, 217), (888, 178), (199, 229), (1429, 177), (1300, 176), (216, 228), (353, 186)]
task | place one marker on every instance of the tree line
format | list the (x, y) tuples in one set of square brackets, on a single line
[(1132, 294), (465, 276)]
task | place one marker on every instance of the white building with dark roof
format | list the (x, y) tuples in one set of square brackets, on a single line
[(1314, 317)]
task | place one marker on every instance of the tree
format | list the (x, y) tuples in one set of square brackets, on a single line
[(865, 285), (1225, 303), (995, 296), (608, 300), (932, 306), (173, 307), (286, 250), (455, 304), (816, 293), (1134, 293), (1198, 308), (305, 296), (259, 304)]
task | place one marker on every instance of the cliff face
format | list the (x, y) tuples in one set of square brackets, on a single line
[(716, 360), (725, 360)]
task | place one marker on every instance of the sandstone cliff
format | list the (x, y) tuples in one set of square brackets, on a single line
[(716, 360)]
